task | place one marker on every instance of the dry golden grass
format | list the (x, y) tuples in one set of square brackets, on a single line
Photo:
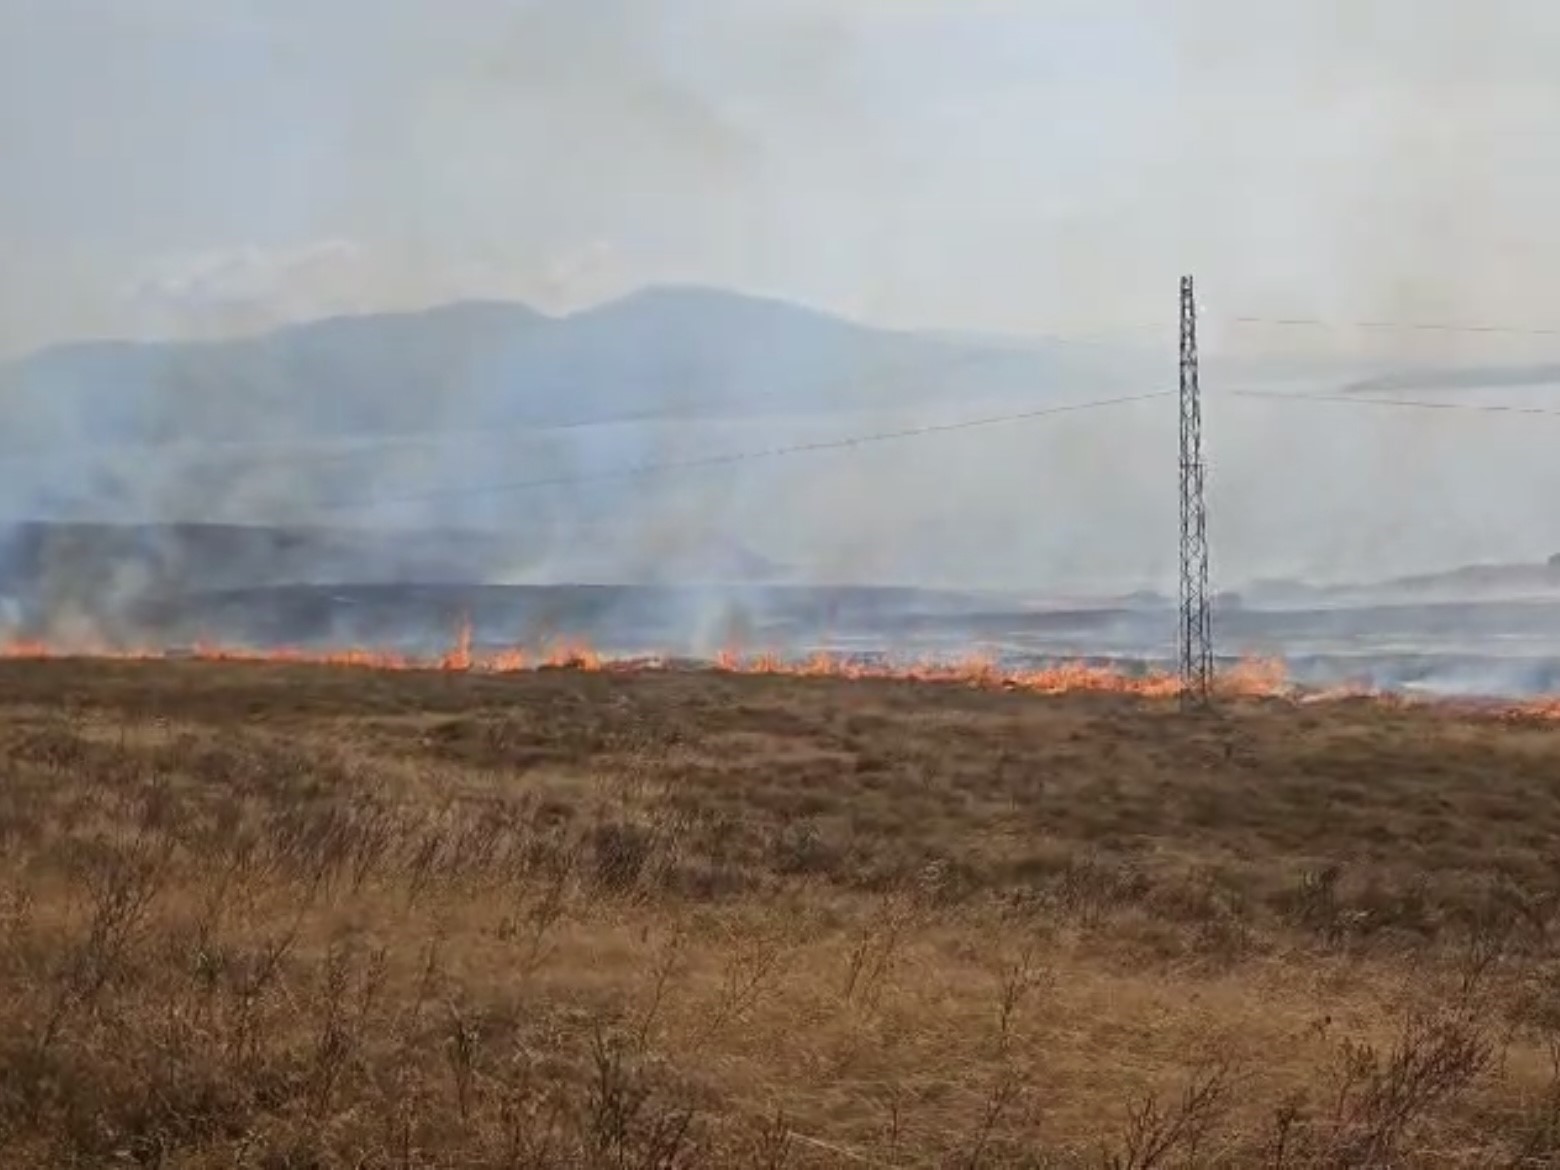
[(291, 917)]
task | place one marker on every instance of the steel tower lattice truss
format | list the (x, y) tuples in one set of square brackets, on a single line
[(1196, 619)]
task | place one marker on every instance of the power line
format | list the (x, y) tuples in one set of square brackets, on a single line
[(1401, 326), (1407, 403), (650, 469)]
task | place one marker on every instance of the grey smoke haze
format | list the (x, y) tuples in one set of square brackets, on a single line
[(205, 168)]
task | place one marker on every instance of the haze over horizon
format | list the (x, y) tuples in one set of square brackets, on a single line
[(198, 169)]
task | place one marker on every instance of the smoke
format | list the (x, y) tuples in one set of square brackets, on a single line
[(249, 289), (999, 167), (1378, 162), (1389, 156)]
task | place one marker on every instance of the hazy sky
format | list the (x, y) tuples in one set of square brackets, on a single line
[(191, 167), (1039, 165)]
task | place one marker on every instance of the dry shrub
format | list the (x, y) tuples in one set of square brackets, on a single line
[(683, 921)]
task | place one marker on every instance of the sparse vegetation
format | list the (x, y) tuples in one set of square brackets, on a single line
[(285, 917)]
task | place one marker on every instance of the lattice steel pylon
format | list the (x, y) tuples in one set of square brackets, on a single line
[(1196, 624)]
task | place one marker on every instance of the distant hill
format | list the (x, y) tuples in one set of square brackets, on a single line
[(1459, 378), (666, 352), (267, 432), (1490, 582)]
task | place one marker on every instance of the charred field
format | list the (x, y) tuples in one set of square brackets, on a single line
[(300, 916)]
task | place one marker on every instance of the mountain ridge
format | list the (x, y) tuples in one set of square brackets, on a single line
[(672, 351)]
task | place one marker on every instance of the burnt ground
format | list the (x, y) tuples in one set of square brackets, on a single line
[(283, 916)]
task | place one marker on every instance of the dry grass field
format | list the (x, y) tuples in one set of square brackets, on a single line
[(293, 917)]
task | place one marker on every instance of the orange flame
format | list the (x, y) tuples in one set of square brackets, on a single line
[(458, 657), (572, 655), (1255, 678)]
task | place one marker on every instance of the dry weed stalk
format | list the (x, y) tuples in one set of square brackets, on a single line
[(1158, 1136), (1381, 1099), (876, 947), (540, 904), (772, 1149), (753, 961), (1005, 1091), (622, 1124), (1018, 978), (120, 884), (670, 961)]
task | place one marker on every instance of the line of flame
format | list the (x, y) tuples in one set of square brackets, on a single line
[(1254, 678)]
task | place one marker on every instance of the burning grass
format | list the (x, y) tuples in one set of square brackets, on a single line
[(1246, 679), (285, 916)]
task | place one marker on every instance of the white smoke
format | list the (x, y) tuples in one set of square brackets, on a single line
[(248, 288), (1034, 167)]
